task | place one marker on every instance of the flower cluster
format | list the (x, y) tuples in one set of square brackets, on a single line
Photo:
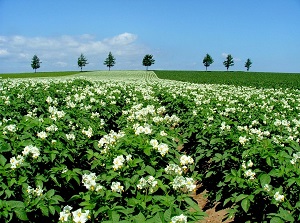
[(278, 197), (78, 216), (89, 181), (55, 114), (31, 149), (10, 128), (248, 172), (138, 129), (109, 140), (70, 136), (184, 184), (37, 192), (16, 162), (52, 128), (162, 148), (42, 135), (88, 133), (296, 156), (118, 162), (173, 169), (148, 183), (179, 219), (116, 187), (185, 160)]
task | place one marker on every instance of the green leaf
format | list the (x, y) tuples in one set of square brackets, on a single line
[(16, 204), (245, 204), (147, 151), (167, 214), (52, 210), (50, 193), (139, 218), (265, 179), (44, 211), (276, 220), (58, 198), (284, 214), (150, 170), (269, 161), (115, 216), (21, 214), (193, 204), (241, 197), (5, 147), (74, 197), (2, 160), (52, 156)]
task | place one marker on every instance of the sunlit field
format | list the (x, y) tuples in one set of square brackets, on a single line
[(238, 78), (127, 146)]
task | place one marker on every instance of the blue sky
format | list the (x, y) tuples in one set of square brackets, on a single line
[(178, 33)]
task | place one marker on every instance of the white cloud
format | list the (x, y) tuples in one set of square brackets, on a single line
[(3, 52), (224, 55), (63, 51), (122, 39)]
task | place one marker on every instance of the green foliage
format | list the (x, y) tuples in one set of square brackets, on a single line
[(207, 61), (110, 60), (116, 151), (248, 64), (82, 61), (35, 63), (40, 74), (237, 78), (51, 143), (228, 62), (148, 60)]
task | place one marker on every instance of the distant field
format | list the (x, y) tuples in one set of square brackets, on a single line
[(255, 79), (38, 74), (238, 78)]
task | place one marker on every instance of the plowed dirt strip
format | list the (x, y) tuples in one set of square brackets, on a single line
[(130, 76)]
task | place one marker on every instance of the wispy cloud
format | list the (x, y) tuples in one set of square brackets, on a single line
[(63, 51), (224, 55)]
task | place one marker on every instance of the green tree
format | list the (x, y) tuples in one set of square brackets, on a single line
[(82, 61), (148, 60), (229, 61), (110, 61), (248, 64), (35, 63), (207, 61)]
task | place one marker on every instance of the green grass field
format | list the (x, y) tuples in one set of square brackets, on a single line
[(38, 74), (255, 79), (238, 78)]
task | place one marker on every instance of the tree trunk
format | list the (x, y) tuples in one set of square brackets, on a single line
[(80, 69), (205, 68), (108, 68)]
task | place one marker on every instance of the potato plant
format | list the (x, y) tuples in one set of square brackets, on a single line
[(111, 151)]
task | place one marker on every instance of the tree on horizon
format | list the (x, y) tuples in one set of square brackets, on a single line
[(228, 62), (148, 60), (82, 61), (110, 61), (35, 63), (248, 64), (207, 61)]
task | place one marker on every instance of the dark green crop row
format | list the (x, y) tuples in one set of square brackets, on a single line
[(39, 74), (238, 78)]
